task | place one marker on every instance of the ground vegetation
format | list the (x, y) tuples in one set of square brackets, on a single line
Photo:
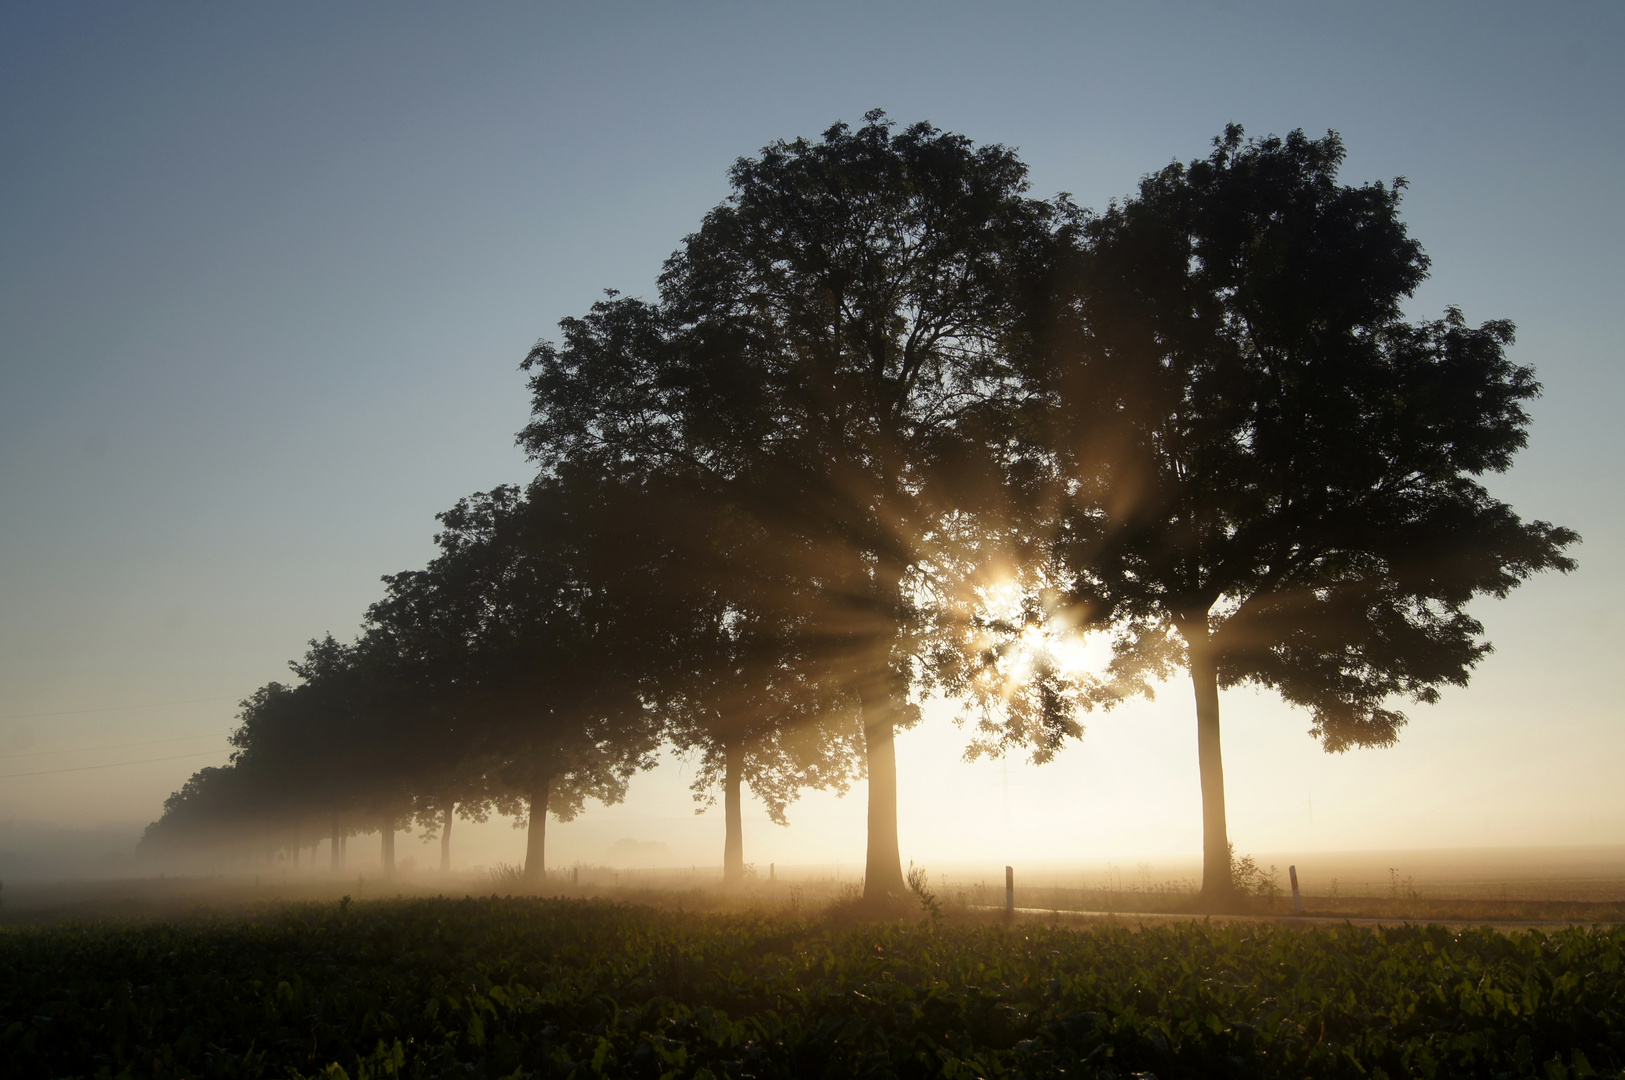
[(522, 987)]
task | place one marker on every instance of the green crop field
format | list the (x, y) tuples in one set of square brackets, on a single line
[(528, 987)]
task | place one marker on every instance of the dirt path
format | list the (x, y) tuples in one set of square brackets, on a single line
[(1293, 920)]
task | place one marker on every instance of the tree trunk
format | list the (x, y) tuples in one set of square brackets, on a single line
[(1218, 891), (388, 850), (733, 844), (883, 868), (335, 857), (344, 850), (445, 840), (295, 849), (535, 873)]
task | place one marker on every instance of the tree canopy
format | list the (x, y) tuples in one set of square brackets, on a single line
[(1272, 473), (831, 356)]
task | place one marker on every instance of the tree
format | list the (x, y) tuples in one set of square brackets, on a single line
[(376, 737), (830, 356), (346, 747), (1268, 475), (722, 660), (425, 623), (745, 704), (528, 629), (509, 675), (213, 811), (291, 776)]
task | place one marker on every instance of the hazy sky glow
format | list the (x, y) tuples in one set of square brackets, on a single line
[(267, 273)]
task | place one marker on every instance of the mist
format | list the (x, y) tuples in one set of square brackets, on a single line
[(268, 280)]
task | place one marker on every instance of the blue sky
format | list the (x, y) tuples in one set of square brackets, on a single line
[(267, 273)]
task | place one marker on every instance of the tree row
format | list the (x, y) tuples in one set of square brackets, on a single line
[(894, 428)]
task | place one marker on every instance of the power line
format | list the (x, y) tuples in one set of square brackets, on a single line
[(113, 708), (114, 746), (109, 765)]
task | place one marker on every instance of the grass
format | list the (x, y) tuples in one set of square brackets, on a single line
[(500, 987)]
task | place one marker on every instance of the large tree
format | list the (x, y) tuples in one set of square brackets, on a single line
[(1268, 475), (830, 356)]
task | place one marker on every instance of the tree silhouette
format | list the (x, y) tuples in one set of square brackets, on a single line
[(423, 624), (345, 747), (530, 627), (298, 770), (831, 353), (217, 809), (1270, 472), (890, 424), (513, 674), (740, 695)]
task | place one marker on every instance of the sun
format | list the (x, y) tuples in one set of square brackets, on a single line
[(1046, 637)]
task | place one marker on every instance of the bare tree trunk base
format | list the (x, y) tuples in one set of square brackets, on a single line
[(883, 868), (445, 841), (387, 848), (534, 875), (733, 847), (1218, 887), (1221, 902)]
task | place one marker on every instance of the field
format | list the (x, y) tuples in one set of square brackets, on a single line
[(494, 987)]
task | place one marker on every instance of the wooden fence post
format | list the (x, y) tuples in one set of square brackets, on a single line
[(1297, 898), (1009, 892)]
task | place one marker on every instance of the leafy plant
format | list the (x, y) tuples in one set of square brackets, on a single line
[(552, 988), (1250, 879)]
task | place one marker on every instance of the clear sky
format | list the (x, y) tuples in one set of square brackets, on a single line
[(267, 273)]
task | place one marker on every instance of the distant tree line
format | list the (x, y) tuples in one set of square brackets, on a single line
[(895, 428)]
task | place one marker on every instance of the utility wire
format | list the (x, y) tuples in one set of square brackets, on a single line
[(114, 746), (113, 708), (109, 765)]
